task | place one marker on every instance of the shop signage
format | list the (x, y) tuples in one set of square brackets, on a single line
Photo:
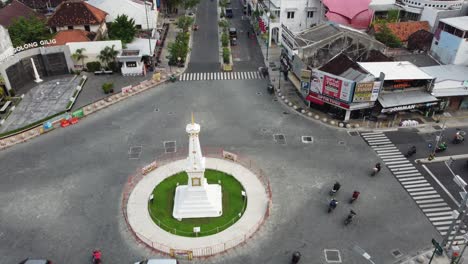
[(332, 86), (78, 113), (401, 84), (35, 44), (305, 75), (406, 107), (366, 91), (326, 99)]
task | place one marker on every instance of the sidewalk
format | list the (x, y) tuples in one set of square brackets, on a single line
[(289, 95)]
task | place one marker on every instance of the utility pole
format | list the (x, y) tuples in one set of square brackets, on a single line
[(149, 37), (461, 211), (269, 28), (438, 138)]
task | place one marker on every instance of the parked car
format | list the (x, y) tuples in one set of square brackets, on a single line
[(232, 33), (229, 12), (158, 261), (35, 261)]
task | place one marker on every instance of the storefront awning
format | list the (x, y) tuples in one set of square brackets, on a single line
[(405, 98)]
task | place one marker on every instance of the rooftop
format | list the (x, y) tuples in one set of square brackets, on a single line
[(75, 35), (458, 22), (341, 65), (15, 10), (42, 4), (395, 70), (451, 80), (72, 13), (404, 29)]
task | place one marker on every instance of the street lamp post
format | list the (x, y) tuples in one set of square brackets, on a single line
[(268, 39), (178, 61)]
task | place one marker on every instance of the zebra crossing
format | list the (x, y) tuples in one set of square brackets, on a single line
[(426, 197), (204, 76)]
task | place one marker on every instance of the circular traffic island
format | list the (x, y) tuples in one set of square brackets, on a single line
[(148, 208), (161, 206)]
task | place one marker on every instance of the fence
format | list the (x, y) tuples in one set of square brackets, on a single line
[(202, 251)]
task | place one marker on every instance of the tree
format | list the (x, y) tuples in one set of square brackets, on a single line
[(189, 4), (386, 36), (179, 48), (123, 29), (79, 56), (184, 23), (108, 54), (27, 30)]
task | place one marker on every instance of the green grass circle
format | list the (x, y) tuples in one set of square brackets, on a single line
[(161, 207)]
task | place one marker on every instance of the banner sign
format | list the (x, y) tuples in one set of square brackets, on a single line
[(332, 86), (126, 89), (305, 75), (366, 91), (326, 99), (148, 168), (78, 113)]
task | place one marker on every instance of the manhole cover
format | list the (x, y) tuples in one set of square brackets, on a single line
[(259, 93), (156, 110), (280, 139), (437, 127), (332, 256), (307, 139), (341, 142), (134, 152), (170, 146), (264, 130), (275, 100), (353, 133), (285, 113), (396, 253), (170, 113)]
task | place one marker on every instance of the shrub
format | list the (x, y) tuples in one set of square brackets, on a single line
[(226, 55), (225, 39), (108, 87), (223, 24), (114, 66), (93, 66)]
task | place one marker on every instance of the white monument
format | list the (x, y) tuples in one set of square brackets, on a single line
[(197, 199), (36, 74)]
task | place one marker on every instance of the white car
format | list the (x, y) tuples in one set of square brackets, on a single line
[(158, 261)]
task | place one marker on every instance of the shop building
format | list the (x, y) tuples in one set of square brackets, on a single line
[(450, 43), (450, 86), (405, 88), (343, 89)]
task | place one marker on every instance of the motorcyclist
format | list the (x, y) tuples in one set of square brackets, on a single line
[(336, 187), (378, 166), (350, 217), (332, 205), (296, 256), (96, 256), (443, 145), (355, 195)]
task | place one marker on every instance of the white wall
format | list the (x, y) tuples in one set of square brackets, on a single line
[(6, 47), (433, 15), (300, 21), (462, 54), (92, 49)]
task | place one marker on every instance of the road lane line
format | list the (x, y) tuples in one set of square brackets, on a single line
[(441, 186), (434, 205), (429, 201)]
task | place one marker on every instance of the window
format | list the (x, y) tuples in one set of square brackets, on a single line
[(87, 28), (131, 64), (138, 26), (70, 27), (310, 14), (54, 29), (290, 15)]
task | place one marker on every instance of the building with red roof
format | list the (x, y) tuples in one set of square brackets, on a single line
[(353, 13), (74, 35), (15, 10), (72, 15)]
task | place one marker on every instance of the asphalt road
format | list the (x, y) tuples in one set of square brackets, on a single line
[(60, 193), (438, 175), (205, 51), (246, 55)]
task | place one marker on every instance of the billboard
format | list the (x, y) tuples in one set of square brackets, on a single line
[(332, 86), (366, 91)]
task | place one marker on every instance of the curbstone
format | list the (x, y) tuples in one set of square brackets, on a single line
[(303, 111), (279, 94), (286, 100), (341, 125), (295, 107), (290, 104), (356, 125), (282, 96), (324, 119), (348, 125), (317, 117), (420, 259), (332, 122), (309, 114), (428, 255)]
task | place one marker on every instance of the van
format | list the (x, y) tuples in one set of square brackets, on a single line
[(229, 12)]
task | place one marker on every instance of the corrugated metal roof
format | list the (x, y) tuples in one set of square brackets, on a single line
[(396, 70), (405, 98)]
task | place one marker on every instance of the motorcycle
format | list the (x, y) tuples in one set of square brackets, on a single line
[(332, 205), (350, 217), (335, 189), (410, 152), (354, 196), (441, 147), (296, 256), (97, 256), (459, 137), (376, 169)]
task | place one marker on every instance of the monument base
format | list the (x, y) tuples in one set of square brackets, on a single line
[(38, 80), (198, 202)]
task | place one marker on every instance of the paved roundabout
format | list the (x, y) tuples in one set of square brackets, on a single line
[(152, 235)]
